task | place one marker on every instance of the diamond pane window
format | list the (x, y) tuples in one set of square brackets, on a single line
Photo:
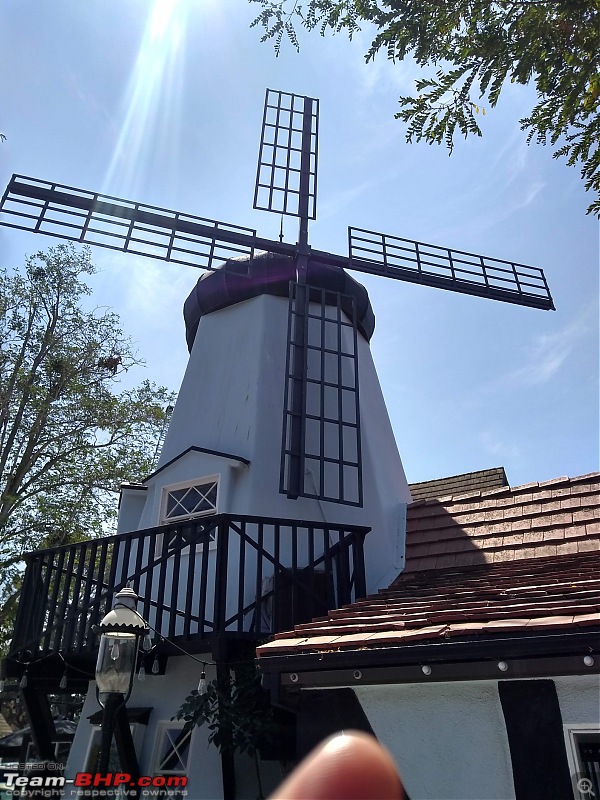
[(171, 757), (173, 750), (193, 499)]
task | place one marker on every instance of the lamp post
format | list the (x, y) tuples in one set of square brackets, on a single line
[(121, 629)]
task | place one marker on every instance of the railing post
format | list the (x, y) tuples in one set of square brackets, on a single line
[(241, 576), (260, 553), (343, 569), (360, 582), (221, 575), (56, 580), (71, 614), (295, 586), (331, 596), (204, 582), (29, 622), (311, 570), (84, 625)]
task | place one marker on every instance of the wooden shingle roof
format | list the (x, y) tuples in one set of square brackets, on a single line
[(557, 517), (523, 560)]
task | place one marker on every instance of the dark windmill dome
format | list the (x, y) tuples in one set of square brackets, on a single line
[(270, 273)]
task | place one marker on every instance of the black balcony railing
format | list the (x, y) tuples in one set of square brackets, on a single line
[(218, 575)]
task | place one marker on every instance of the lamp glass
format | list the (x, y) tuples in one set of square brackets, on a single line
[(116, 663)]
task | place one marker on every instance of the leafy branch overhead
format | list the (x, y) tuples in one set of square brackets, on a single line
[(475, 47)]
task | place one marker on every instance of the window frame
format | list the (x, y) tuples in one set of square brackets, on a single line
[(137, 734), (205, 480), (573, 732), (161, 727)]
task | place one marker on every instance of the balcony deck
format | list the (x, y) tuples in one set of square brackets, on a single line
[(200, 582)]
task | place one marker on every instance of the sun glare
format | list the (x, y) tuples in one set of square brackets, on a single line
[(151, 105)]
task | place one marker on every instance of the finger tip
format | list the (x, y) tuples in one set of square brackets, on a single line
[(351, 765)]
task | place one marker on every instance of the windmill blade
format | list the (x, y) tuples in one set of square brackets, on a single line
[(286, 182), (321, 401), (286, 177), (105, 221), (458, 271)]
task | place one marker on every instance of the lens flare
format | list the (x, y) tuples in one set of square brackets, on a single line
[(151, 105)]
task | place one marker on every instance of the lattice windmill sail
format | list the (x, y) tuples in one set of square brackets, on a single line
[(321, 453)]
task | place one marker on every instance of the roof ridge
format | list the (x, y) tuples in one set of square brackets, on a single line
[(484, 493), (488, 471)]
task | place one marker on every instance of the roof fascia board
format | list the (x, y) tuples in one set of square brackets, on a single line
[(325, 668), (288, 684)]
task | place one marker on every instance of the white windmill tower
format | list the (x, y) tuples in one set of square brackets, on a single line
[(223, 450)]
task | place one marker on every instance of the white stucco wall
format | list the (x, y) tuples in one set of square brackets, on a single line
[(448, 739), (579, 699), (190, 466), (164, 694), (131, 507)]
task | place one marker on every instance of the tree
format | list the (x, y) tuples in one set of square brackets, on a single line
[(68, 435), (477, 46)]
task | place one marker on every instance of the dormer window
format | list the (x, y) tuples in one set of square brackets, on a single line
[(196, 498)]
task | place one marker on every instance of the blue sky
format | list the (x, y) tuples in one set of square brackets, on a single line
[(161, 101)]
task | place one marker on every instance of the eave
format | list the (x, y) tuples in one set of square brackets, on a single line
[(475, 658)]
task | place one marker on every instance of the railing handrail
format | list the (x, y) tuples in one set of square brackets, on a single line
[(75, 611), (105, 565), (214, 519)]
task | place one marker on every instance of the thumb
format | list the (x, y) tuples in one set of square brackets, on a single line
[(348, 766)]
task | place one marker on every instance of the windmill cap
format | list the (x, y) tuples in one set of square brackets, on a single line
[(271, 274)]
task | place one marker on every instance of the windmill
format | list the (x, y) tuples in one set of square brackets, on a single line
[(323, 318), (306, 463)]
